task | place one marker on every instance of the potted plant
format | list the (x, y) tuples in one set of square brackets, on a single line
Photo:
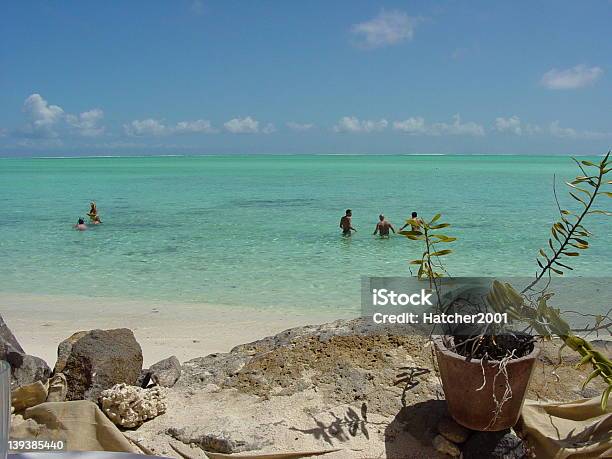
[(485, 375)]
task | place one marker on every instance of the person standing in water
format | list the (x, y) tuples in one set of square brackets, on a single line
[(383, 227), (345, 223), (416, 225), (93, 214)]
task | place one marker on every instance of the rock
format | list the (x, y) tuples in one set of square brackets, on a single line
[(445, 446), (167, 372), (28, 395), (453, 431), (144, 378), (494, 445), (8, 342), (27, 369), (213, 442), (58, 388), (130, 406), (95, 360)]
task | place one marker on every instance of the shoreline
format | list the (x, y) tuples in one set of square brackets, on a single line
[(186, 330)]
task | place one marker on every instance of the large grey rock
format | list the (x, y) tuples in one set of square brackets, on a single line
[(8, 342), (166, 373), (95, 360), (27, 369)]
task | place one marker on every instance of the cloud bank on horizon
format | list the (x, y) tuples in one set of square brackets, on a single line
[(375, 80)]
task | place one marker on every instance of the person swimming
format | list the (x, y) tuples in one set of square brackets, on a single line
[(345, 223), (383, 227), (415, 223), (80, 226)]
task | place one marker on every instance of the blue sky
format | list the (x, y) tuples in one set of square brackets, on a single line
[(204, 77)]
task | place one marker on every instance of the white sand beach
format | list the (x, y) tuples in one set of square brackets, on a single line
[(187, 330)]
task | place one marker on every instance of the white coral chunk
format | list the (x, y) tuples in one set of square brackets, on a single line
[(130, 406)]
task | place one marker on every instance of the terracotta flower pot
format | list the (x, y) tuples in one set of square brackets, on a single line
[(476, 409)]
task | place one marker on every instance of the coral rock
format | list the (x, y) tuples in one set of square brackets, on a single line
[(130, 406)]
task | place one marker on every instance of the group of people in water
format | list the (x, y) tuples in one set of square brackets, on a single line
[(94, 218), (382, 227)]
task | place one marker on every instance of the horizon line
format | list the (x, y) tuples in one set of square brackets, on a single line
[(299, 154)]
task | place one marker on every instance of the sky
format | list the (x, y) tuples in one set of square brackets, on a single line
[(326, 77)]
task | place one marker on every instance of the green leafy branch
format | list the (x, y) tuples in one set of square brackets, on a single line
[(427, 232), (568, 233)]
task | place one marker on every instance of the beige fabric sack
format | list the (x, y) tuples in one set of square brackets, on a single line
[(81, 425), (573, 430)]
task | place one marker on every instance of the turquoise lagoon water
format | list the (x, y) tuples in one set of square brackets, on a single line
[(263, 231)]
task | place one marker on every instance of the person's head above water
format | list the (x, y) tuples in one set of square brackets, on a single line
[(414, 215), (381, 217), (81, 221), (349, 212)]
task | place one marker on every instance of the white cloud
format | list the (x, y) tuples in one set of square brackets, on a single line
[(353, 124), (197, 126), (87, 123), (153, 127), (299, 126), (512, 124), (47, 121), (413, 125), (146, 127), (556, 130), (246, 125), (418, 126), (575, 77), (388, 28), (459, 128), (42, 116)]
